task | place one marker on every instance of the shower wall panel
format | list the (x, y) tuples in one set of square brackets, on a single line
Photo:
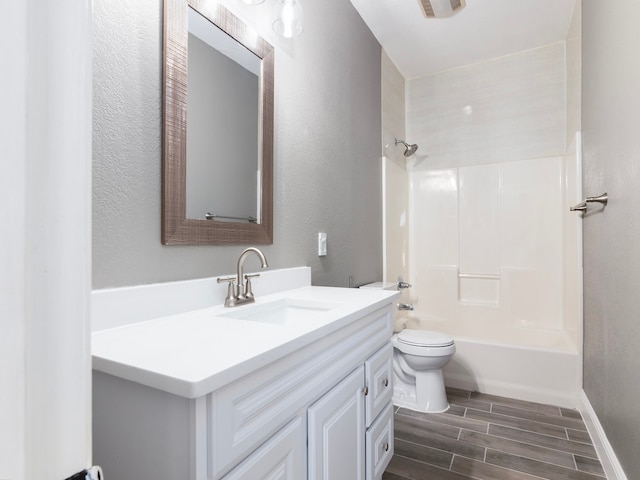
[(479, 219), (508, 108), (479, 223), (395, 180), (532, 238), (487, 244)]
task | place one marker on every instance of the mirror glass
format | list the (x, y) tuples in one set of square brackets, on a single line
[(223, 122), (218, 128)]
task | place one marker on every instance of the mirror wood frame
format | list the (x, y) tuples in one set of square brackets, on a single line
[(176, 228)]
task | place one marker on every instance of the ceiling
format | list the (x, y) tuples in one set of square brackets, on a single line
[(484, 29)]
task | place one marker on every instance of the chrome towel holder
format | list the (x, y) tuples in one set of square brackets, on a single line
[(582, 206)]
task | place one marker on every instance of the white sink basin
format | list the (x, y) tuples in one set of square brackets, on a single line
[(286, 311)]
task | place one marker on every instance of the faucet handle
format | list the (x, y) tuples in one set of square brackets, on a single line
[(226, 279), (248, 293), (231, 291)]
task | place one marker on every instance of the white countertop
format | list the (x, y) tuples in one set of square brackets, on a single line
[(194, 353)]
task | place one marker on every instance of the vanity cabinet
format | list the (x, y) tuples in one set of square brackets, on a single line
[(350, 429), (321, 411)]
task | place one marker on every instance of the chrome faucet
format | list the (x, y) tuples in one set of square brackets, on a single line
[(242, 293)]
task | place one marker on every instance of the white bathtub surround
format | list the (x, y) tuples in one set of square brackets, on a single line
[(512, 107), (607, 455), (495, 256), (493, 262), (487, 245), (237, 392), (394, 170)]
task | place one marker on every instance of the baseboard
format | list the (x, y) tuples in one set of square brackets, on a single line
[(608, 458)]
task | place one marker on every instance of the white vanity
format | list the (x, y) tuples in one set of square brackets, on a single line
[(294, 386)]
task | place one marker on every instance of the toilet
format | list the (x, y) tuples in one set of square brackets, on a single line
[(418, 359)]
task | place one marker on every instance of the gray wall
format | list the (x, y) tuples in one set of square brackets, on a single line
[(327, 150), (611, 105)]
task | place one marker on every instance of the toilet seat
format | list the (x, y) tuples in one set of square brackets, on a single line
[(424, 338), (423, 343)]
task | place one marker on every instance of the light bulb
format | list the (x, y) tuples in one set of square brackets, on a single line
[(288, 18)]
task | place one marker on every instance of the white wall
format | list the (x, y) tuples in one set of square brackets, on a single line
[(13, 31), (45, 364)]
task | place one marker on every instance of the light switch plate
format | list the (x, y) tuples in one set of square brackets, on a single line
[(322, 244)]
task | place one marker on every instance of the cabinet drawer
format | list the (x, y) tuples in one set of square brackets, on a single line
[(283, 457), (379, 381), (379, 444)]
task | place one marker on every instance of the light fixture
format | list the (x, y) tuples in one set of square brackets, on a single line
[(441, 8), (288, 18)]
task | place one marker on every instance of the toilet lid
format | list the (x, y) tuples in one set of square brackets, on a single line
[(425, 338)]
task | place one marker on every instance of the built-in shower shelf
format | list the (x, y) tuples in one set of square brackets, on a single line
[(479, 289)]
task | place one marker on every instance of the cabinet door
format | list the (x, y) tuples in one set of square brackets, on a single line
[(336, 432), (281, 458), (379, 381)]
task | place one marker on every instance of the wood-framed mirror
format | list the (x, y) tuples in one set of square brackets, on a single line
[(236, 135)]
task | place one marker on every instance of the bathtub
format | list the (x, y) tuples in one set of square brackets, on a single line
[(542, 366)]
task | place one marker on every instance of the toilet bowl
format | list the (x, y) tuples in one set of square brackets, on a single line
[(418, 359)]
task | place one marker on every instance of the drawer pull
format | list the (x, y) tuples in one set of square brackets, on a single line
[(365, 390), (385, 382), (385, 447)]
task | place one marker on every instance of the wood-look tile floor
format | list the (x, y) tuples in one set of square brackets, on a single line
[(486, 437)]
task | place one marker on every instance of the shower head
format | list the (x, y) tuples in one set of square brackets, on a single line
[(409, 149)]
